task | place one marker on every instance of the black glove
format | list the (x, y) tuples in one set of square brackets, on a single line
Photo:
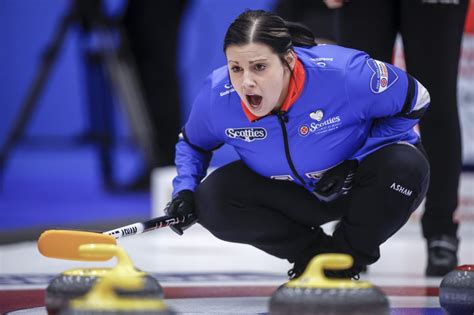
[(181, 205), (336, 182)]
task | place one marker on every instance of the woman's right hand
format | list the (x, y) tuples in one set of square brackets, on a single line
[(181, 205)]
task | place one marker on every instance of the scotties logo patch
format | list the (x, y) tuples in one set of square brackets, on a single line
[(246, 134)]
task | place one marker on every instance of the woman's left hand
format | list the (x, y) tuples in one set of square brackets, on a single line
[(336, 182)]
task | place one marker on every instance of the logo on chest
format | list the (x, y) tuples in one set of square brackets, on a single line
[(319, 124), (246, 134)]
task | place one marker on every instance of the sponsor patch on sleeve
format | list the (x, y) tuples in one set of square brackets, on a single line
[(383, 77)]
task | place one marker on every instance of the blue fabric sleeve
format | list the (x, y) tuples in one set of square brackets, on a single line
[(388, 97), (196, 142), (191, 166)]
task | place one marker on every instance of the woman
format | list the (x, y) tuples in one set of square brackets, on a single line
[(323, 133)]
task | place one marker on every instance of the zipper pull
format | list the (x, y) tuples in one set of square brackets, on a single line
[(283, 116)]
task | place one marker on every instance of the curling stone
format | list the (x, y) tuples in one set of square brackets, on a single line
[(77, 282), (313, 293), (103, 298), (456, 291)]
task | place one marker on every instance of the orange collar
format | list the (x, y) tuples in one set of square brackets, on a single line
[(294, 91)]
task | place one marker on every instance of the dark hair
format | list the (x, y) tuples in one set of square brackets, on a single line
[(259, 26)]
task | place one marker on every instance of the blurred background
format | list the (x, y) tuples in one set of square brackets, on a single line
[(93, 94)]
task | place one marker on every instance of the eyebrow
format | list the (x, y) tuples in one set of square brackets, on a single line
[(251, 62)]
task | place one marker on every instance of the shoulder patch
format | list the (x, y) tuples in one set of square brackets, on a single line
[(383, 77)]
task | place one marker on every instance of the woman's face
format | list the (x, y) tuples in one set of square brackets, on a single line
[(259, 76)]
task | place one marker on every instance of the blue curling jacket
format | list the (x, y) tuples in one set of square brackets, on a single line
[(350, 106)]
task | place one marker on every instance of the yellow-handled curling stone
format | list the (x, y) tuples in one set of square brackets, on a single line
[(74, 283), (103, 297), (314, 293)]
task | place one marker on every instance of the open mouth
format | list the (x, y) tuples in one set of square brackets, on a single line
[(254, 100)]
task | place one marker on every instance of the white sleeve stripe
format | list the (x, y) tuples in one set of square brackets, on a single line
[(422, 97)]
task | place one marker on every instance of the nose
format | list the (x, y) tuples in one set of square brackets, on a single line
[(248, 81)]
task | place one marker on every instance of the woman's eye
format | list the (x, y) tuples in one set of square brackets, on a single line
[(235, 69), (260, 67)]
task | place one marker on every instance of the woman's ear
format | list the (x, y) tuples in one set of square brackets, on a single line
[(291, 59)]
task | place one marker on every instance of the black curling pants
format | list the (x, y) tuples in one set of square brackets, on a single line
[(432, 33), (283, 219)]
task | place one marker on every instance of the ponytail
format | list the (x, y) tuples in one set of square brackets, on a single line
[(301, 36)]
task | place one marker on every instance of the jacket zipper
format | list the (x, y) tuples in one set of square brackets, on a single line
[(283, 119)]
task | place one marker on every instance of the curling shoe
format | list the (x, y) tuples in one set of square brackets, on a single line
[(442, 255)]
